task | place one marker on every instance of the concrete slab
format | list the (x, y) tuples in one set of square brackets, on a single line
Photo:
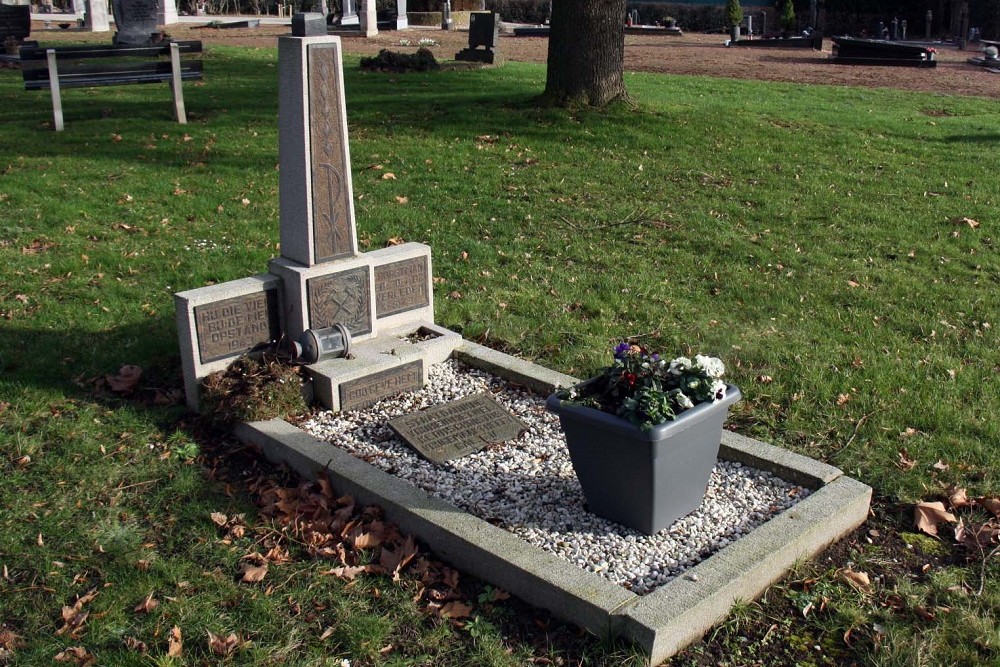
[(662, 622)]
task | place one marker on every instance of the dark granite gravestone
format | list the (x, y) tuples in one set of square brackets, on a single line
[(457, 428), (484, 30), (135, 22), (853, 51)]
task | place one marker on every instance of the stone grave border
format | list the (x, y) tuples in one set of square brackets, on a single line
[(662, 622)]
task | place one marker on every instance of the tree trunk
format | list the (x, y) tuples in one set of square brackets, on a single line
[(586, 53)]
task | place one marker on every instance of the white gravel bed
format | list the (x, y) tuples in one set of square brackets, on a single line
[(528, 487)]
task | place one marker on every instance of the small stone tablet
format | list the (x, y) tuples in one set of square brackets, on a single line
[(453, 430)]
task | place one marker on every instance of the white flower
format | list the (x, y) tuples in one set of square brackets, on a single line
[(679, 366), (718, 391), (345, 663), (712, 366)]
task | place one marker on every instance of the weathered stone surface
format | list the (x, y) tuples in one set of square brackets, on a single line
[(373, 388), (235, 326), (341, 298), (457, 428), (333, 227), (401, 286)]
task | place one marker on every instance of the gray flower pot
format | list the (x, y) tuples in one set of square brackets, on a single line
[(645, 480)]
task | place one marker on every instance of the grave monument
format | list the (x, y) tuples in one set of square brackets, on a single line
[(321, 280), (380, 304), (484, 31)]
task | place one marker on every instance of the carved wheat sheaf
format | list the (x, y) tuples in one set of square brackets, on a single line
[(332, 224)]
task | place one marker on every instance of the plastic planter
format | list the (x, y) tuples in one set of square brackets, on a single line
[(643, 479)]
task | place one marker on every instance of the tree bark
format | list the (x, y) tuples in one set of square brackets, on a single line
[(586, 58)]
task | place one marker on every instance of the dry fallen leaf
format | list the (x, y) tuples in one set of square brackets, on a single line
[(133, 644), (175, 644), (77, 655), (991, 505), (126, 380), (255, 573), (858, 580), (940, 465), (394, 240), (842, 399), (965, 221), (388, 176), (958, 499), (223, 645), (400, 199), (148, 604), (455, 609), (927, 516), (219, 519), (905, 462)]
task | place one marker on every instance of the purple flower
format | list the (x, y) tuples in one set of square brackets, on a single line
[(621, 350)]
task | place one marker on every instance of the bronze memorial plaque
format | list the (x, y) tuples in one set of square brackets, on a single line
[(331, 199), (341, 298), (401, 286), (236, 326), (373, 388), (452, 430)]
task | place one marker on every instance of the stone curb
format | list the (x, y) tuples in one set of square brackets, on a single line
[(662, 622)]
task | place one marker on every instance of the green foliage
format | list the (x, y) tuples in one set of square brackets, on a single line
[(734, 12), (786, 14), (391, 61)]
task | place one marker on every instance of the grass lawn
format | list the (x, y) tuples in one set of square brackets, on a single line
[(835, 246)]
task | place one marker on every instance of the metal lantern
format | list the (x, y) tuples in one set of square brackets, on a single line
[(330, 343)]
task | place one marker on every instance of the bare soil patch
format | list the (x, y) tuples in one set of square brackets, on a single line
[(693, 54)]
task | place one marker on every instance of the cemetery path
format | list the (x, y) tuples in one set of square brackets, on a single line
[(693, 54)]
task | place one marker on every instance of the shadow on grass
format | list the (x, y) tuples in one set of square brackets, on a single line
[(240, 93), (73, 358)]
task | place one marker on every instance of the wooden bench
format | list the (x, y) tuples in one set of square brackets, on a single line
[(41, 69), (15, 22)]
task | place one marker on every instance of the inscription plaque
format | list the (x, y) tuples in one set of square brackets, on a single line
[(373, 388), (458, 428), (342, 298), (333, 228), (236, 326), (401, 286)]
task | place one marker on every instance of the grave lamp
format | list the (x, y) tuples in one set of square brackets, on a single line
[(329, 343)]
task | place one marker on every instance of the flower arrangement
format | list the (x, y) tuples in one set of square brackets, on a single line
[(648, 390)]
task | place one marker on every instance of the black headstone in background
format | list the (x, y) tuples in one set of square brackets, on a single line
[(484, 30), (135, 21)]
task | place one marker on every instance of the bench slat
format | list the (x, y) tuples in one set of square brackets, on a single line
[(37, 53), (125, 74)]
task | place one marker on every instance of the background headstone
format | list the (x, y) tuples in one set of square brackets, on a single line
[(167, 12), (349, 13), (95, 17), (402, 23), (368, 18), (135, 21)]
